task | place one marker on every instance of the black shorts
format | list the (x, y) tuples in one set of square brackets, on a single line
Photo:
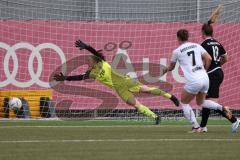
[(215, 80)]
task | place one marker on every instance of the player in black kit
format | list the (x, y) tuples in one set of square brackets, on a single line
[(215, 74)]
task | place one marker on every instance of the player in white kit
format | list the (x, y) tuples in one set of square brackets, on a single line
[(194, 61)]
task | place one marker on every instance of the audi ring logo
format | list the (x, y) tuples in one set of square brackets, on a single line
[(35, 52)]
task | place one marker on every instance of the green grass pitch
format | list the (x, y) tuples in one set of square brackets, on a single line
[(115, 140)]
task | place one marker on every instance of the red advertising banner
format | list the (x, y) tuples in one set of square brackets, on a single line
[(31, 51)]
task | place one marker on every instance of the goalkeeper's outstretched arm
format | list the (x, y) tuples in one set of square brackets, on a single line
[(61, 77), (81, 45)]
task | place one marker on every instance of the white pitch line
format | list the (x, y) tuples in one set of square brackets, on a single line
[(119, 140), (126, 126)]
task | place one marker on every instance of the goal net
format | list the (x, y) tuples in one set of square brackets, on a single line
[(136, 36)]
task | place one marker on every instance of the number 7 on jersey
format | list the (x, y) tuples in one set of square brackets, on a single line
[(193, 57)]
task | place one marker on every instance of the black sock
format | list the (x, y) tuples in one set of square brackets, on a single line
[(233, 118), (205, 115)]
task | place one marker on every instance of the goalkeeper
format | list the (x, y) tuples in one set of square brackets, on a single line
[(100, 70)]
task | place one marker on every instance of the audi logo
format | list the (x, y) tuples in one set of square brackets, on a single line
[(35, 52)]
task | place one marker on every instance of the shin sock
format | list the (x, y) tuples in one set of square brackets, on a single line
[(157, 91), (205, 115), (189, 115), (211, 105), (146, 111)]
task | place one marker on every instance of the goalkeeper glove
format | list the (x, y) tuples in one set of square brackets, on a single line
[(81, 45), (59, 77)]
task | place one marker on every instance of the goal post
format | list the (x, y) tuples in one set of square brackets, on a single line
[(136, 36)]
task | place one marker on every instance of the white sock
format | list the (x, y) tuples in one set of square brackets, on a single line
[(211, 105), (189, 115)]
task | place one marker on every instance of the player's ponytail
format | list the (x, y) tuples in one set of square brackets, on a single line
[(207, 28), (215, 14)]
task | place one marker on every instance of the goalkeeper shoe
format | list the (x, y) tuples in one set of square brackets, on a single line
[(235, 126), (174, 100), (157, 120)]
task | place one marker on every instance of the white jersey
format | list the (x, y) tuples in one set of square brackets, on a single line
[(189, 56)]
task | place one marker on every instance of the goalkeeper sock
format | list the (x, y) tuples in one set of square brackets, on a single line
[(189, 115), (146, 111), (159, 92)]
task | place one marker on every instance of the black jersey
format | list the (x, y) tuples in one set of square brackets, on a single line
[(216, 50)]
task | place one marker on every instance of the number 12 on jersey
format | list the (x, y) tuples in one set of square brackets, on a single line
[(215, 53)]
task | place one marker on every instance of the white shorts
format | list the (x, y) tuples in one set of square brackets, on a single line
[(199, 85)]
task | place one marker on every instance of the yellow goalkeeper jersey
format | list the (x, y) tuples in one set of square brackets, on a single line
[(122, 84), (104, 73)]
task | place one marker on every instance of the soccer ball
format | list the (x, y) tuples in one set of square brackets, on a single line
[(15, 103)]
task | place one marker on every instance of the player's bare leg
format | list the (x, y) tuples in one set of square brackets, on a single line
[(159, 92), (143, 109)]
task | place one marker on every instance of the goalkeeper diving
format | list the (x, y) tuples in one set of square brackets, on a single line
[(100, 70)]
